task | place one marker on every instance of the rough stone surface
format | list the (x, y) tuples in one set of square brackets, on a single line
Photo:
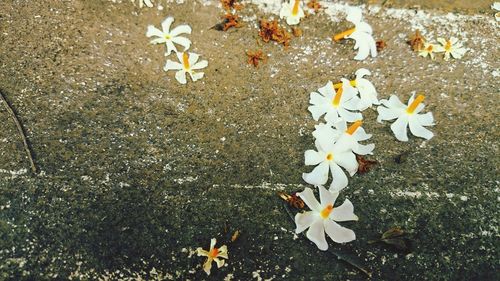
[(137, 171)]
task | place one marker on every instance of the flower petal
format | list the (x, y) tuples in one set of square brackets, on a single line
[(181, 76), (223, 252), (180, 29), (339, 180), (338, 233), (313, 157), (418, 130), (165, 25), (153, 31), (195, 76), (361, 149), (308, 197), (213, 241), (348, 115), (199, 65), (304, 220), (201, 252), (425, 119), (172, 65), (207, 265), (399, 128), (347, 160), (220, 262), (318, 176), (183, 41), (344, 212), (326, 197), (170, 48), (316, 234), (385, 113)]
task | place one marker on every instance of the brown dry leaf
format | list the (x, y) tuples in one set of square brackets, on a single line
[(231, 4), (395, 237), (314, 4), (269, 30), (364, 165), (297, 32), (255, 57), (235, 235), (417, 41), (380, 45), (292, 200)]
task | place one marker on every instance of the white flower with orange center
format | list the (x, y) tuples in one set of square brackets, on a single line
[(429, 50), (407, 115), (169, 37), (323, 217), (292, 12), (142, 2), (345, 136), (188, 64), (214, 254), (329, 157), (361, 33), (367, 92), (451, 47), (335, 105)]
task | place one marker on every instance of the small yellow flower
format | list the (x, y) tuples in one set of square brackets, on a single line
[(430, 49), (214, 254), (452, 47)]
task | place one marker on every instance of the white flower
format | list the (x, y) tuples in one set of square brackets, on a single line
[(367, 92), (214, 254), (496, 6), (292, 11), (346, 136), (406, 115), (430, 49), (189, 63), (451, 47), (329, 157), (361, 33), (169, 37), (323, 217), (326, 101), (142, 2)]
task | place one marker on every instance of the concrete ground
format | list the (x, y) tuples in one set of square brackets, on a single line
[(136, 171)]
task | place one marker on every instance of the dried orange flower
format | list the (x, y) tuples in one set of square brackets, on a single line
[(364, 165), (255, 57), (314, 4), (292, 200), (297, 32), (231, 4), (417, 41), (229, 21), (269, 30), (380, 45)]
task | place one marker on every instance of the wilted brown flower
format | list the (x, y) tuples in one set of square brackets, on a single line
[(230, 20), (380, 45), (364, 165), (417, 41), (269, 30), (314, 4), (255, 57), (231, 4), (297, 32)]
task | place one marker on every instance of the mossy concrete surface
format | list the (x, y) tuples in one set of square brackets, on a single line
[(137, 171)]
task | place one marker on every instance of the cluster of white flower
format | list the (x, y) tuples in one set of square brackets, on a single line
[(188, 62), (337, 145)]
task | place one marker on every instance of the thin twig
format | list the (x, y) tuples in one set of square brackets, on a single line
[(336, 254), (21, 132)]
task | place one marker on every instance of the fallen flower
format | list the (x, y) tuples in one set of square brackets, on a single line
[(367, 92), (255, 56), (496, 6), (214, 254), (142, 2), (170, 37), (297, 32), (347, 136), (451, 47), (328, 158), (361, 33), (429, 49), (335, 104), (406, 115), (292, 200), (417, 41), (188, 64), (381, 44), (323, 217), (292, 11)]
